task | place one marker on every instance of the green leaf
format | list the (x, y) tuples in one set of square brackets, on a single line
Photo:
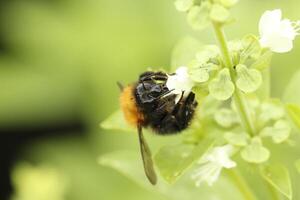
[(228, 3), (255, 152), (264, 90), (219, 13), (280, 132), (237, 139), (209, 106), (120, 161), (251, 48), (263, 61), (172, 161), (297, 164), (235, 45), (200, 93), (183, 5), (271, 110), (201, 66), (198, 16), (199, 75), (129, 164), (248, 80), (291, 93), (221, 87), (278, 176), (184, 52), (293, 111), (207, 52), (253, 102), (226, 117), (116, 121)]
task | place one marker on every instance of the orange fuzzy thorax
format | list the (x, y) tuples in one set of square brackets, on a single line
[(129, 107)]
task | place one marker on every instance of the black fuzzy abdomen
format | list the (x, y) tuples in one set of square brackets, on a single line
[(178, 120)]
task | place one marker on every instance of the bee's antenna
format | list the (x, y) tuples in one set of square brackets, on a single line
[(120, 86), (182, 94)]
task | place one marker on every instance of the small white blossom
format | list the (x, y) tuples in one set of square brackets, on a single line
[(276, 33), (212, 164), (180, 81)]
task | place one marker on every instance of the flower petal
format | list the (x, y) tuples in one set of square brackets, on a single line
[(287, 29), (281, 44), (213, 163), (277, 34), (180, 82), (221, 156), (207, 173), (269, 21)]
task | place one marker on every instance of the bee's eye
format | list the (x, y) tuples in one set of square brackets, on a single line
[(156, 88), (154, 93)]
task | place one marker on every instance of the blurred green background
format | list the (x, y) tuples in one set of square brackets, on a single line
[(59, 64)]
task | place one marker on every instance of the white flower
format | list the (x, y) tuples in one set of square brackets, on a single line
[(212, 164), (276, 33), (180, 81)]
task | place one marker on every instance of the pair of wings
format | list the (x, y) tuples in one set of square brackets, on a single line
[(147, 157)]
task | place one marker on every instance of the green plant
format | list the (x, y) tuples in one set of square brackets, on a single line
[(238, 123)]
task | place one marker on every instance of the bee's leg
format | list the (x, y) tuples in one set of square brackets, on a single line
[(180, 117), (164, 94), (180, 104), (169, 125), (184, 110), (181, 97), (166, 103), (161, 107)]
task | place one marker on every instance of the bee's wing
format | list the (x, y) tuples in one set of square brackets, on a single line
[(147, 158)]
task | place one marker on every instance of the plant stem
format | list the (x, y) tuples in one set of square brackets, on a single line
[(223, 45), (243, 112), (238, 98), (241, 184)]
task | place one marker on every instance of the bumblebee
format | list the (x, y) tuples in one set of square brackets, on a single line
[(149, 103)]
